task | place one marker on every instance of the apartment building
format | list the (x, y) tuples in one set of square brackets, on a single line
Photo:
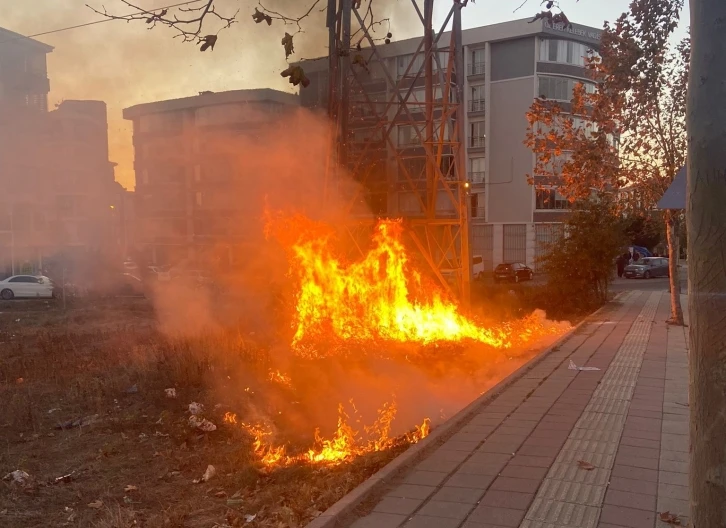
[(24, 80), (507, 65), (191, 179), (58, 183)]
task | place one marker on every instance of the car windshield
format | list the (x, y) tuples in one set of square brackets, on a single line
[(504, 267)]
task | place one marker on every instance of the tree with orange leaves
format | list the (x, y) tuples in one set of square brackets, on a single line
[(627, 137)]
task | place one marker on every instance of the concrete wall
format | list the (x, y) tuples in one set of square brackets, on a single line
[(510, 196), (511, 59)]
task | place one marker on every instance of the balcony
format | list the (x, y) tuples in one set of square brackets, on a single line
[(478, 212), (477, 176), (477, 105), (477, 141), (477, 68)]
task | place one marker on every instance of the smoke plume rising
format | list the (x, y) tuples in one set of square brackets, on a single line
[(125, 64)]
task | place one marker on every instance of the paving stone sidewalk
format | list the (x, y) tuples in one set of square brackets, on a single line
[(567, 448)]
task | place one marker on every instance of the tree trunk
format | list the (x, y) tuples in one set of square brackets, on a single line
[(706, 222), (675, 280)]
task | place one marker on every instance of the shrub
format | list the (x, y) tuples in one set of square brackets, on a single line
[(580, 266)]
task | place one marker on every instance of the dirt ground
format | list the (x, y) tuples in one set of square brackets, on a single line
[(87, 416), (133, 458)]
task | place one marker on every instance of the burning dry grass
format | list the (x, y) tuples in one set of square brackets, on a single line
[(380, 297), (272, 463), (376, 356)]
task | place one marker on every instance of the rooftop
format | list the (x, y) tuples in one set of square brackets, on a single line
[(212, 98), (10, 37), (511, 29)]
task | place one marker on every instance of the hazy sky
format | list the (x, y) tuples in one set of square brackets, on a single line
[(125, 64)]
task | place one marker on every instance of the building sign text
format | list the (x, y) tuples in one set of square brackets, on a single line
[(594, 35)]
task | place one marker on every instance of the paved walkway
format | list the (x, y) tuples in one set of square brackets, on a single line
[(567, 448)]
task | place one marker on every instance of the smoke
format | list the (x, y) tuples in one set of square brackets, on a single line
[(278, 166), (125, 64)]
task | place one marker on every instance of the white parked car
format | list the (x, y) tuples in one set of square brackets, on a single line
[(477, 267), (25, 286), (477, 270)]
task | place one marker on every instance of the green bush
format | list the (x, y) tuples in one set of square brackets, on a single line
[(581, 265)]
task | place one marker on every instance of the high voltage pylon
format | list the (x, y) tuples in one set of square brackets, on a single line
[(432, 174)]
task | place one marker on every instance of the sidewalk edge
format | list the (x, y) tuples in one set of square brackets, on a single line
[(337, 513)]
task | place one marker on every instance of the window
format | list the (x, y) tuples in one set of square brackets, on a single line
[(477, 205), (25, 278), (564, 51), (477, 134), (419, 96), (560, 88), (198, 199), (372, 106), (476, 103), (477, 62), (415, 167), (549, 199), (477, 260), (367, 135), (477, 166), (448, 168), (403, 62), (407, 136)]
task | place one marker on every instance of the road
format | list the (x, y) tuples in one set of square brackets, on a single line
[(660, 284)]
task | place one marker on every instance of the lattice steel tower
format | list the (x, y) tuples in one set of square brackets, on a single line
[(399, 122)]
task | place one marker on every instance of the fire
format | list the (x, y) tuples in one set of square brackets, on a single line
[(344, 444), (340, 447), (421, 432), (276, 376), (378, 297)]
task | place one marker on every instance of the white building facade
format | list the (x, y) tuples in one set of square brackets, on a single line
[(507, 66)]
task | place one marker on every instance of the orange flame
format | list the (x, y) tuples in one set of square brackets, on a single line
[(276, 376), (372, 298), (421, 432), (345, 443)]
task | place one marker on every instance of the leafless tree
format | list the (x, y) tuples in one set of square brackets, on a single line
[(201, 22)]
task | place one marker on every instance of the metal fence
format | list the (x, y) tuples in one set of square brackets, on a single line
[(515, 243), (482, 243), (545, 235)]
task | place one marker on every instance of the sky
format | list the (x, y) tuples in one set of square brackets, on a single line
[(125, 64)]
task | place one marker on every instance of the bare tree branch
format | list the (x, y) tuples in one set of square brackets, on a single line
[(274, 15), (188, 28), (190, 22)]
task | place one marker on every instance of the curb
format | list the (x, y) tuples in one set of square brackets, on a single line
[(335, 516)]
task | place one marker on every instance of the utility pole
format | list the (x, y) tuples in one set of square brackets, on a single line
[(706, 223), (461, 173), (12, 239)]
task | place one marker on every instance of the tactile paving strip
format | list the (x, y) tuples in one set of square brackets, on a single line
[(569, 495)]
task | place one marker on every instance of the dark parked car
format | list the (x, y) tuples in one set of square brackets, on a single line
[(513, 272), (647, 267)]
